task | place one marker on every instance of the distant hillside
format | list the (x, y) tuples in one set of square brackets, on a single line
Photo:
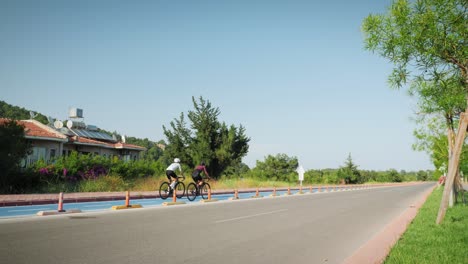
[(19, 113)]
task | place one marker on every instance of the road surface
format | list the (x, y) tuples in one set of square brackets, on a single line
[(308, 228)]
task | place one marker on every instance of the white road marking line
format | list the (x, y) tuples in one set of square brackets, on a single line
[(249, 216)]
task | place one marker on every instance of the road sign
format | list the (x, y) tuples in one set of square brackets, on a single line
[(300, 170)]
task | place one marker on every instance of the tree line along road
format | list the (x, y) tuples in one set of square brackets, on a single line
[(315, 228)]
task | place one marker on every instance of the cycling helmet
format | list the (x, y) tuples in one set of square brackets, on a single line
[(177, 160), (203, 163)]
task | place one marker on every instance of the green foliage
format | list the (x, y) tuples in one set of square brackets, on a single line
[(71, 171), (426, 242), (422, 175), (428, 36), (179, 140), (280, 167), (427, 41), (219, 145), (236, 171), (394, 176), (152, 152), (13, 148), (349, 173), (106, 183), (18, 113), (432, 138), (136, 169)]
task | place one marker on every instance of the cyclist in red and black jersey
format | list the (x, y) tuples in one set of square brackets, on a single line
[(196, 174)]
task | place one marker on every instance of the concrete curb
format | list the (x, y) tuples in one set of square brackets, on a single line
[(121, 207), (209, 201), (45, 213), (172, 203), (377, 249)]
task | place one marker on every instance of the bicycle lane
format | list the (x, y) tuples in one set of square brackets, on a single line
[(29, 205), (32, 210)]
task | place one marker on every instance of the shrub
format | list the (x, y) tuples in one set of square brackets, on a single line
[(107, 183)]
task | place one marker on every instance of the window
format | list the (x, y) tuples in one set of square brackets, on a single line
[(52, 153), (37, 154)]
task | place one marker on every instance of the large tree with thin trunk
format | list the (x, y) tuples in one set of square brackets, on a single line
[(425, 39), (219, 145)]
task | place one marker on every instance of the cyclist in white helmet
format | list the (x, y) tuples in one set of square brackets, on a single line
[(170, 172)]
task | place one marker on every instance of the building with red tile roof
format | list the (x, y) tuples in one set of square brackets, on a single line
[(49, 142)]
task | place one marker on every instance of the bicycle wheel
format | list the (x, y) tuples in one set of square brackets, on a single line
[(180, 189), (204, 190), (191, 191), (164, 190)]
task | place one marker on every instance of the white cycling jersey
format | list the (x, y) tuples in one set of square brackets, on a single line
[(174, 166)]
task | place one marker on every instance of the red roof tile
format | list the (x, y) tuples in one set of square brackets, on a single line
[(34, 128)]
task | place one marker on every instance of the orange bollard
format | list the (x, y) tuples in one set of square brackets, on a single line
[(289, 190), (236, 194), (60, 203), (256, 193), (209, 194), (174, 197), (127, 199)]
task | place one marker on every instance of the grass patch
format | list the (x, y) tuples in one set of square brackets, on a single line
[(426, 242), (246, 183), (107, 183), (153, 183)]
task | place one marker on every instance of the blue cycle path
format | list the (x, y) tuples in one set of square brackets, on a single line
[(32, 210)]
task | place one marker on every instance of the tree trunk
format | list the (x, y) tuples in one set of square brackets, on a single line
[(451, 146), (453, 166)]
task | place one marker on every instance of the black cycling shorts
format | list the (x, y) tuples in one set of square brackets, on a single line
[(170, 174), (196, 176)]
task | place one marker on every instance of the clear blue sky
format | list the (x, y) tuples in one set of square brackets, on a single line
[(294, 73)]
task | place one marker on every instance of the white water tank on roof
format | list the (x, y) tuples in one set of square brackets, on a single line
[(75, 113)]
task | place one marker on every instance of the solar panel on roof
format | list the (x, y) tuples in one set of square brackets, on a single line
[(93, 134)]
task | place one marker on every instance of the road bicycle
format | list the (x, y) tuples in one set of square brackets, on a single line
[(194, 189), (166, 191)]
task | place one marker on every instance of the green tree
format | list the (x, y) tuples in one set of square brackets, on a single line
[(18, 113), (422, 175), (179, 140), (13, 148), (219, 145), (153, 151), (349, 172), (429, 39), (280, 167), (394, 176), (432, 139)]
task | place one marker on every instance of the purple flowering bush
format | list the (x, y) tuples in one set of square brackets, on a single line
[(73, 172)]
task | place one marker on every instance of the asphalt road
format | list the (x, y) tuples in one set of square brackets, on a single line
[(308, 228)]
